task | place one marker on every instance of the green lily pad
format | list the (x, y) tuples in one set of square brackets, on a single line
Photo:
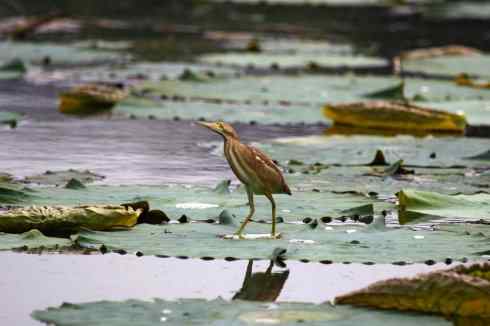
[(221, 312), (58, 178), (10, 118), (353, 243), (431, 205), (151, 71), (275, 45), (348, 150), (265, 114), (12, 193), (32, 239), (37, 53), (201, 203), (303, 60), (474, 65), (304, 90)]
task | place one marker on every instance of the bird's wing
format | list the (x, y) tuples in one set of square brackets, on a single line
[(265, 169)]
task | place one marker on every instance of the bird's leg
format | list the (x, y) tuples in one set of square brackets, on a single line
[(252, 211), (273, 203)]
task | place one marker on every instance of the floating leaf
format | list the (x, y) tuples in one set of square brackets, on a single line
[(91, 98), (352, 243), (63, 220), (9, 118), (396, 92), (58, 178), (220, 312), (430, 204), (285, 61), (47, 53), (394, 115), (12, 193), (455, 292), (32, 239)]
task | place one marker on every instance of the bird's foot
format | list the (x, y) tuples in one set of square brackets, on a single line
[(276, 236)]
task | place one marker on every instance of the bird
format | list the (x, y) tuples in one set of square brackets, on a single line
[(255, 170)]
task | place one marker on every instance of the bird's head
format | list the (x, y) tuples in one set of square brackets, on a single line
[(221, 128)]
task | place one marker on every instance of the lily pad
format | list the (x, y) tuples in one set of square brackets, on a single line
[(12, 193), (284, 61), (431, 204), (58, 178), (264, 114), (9, 118), (202, 203), (37, 53), (307, 90), (348, 150), (32, 239), (474, 65), (354, 243), (220, 312)]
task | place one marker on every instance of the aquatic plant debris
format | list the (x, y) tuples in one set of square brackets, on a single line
[(62, 220), (394, 115), (463, 291), (220, 312)]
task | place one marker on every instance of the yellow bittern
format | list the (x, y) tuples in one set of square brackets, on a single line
[(253, 168)]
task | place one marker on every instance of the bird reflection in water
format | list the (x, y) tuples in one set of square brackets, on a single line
[(262, 286)]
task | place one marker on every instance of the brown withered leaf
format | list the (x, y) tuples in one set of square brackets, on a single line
[(462, 292)]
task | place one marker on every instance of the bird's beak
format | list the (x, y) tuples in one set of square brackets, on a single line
[(209, 125)]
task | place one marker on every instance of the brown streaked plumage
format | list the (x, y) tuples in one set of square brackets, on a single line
[(253, 168)]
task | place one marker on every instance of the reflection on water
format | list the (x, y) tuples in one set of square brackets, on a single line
[(262, 286)]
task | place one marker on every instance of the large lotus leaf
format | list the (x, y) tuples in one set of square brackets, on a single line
[(300, 60), (476, 112), (32, 239), (340, 243), (63, 220), (461, 291), (284, 45), (152, 71), (347, 150), (474, 65), (369, 180), (58, 54), (219, 312), (264, 114), (466, 207), (311, 89), (200, 203)]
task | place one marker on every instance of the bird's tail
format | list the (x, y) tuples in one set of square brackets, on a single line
[(287, 190)]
